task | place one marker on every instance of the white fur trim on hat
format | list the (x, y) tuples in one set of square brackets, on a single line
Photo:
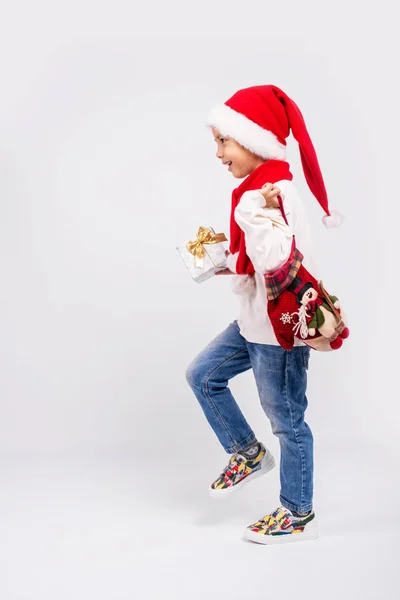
[(247, 133)]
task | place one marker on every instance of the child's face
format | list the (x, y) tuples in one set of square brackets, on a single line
[(243, 162)]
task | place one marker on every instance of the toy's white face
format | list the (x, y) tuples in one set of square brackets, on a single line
[(310, 295)]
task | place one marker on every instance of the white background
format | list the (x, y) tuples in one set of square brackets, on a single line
[(106, 165)]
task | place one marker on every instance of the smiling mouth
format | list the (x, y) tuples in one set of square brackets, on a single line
[(229, 163)]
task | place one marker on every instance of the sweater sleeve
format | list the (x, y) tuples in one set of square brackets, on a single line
[(268, 237)]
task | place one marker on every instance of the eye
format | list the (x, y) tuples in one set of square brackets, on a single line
[(222, 140)]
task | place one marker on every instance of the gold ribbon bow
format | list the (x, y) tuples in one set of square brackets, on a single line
[(204, 236)]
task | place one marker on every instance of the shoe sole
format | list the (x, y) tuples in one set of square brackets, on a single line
[(310, 533), (268, 463)]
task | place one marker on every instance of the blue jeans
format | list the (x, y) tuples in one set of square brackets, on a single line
[(281, 378)]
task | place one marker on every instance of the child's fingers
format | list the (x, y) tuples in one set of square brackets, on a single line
[(270, 186), (272, 200), (268, 190), (224, 272), (272, 203), (272, 195)]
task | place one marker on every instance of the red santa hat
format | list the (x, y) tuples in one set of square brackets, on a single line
[(260, 118)]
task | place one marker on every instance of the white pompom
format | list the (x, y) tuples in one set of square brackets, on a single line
[(335, 219)]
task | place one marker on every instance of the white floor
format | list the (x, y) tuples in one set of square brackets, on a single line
[(122, 527)]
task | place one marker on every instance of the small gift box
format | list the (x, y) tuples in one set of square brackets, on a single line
[(205, 255)]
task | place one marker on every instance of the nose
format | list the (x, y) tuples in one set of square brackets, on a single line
[(219, 154)]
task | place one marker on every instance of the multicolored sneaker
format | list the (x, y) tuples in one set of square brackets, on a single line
[(281, 526), (240, 470)]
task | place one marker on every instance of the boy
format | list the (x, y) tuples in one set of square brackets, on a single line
[(250, 130)]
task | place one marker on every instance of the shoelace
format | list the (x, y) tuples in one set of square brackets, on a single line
[(234, 462), (269, 520)]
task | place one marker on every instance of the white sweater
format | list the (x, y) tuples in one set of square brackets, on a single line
[(268, 244)]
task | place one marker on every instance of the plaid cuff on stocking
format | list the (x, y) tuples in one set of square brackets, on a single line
[(279, 280)]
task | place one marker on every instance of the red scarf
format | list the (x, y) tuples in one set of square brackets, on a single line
[(270, 171)]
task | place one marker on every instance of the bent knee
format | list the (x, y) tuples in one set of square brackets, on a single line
[(196, 374)]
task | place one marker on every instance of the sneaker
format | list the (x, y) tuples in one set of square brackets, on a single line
[(240, 470), (281, 526)]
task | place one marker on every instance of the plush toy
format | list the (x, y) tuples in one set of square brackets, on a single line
[(299, 307)]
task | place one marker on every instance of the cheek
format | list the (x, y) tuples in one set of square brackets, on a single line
[(238, 159)]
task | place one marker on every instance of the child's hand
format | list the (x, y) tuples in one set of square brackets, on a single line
[(270, 193), (225, 271)]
